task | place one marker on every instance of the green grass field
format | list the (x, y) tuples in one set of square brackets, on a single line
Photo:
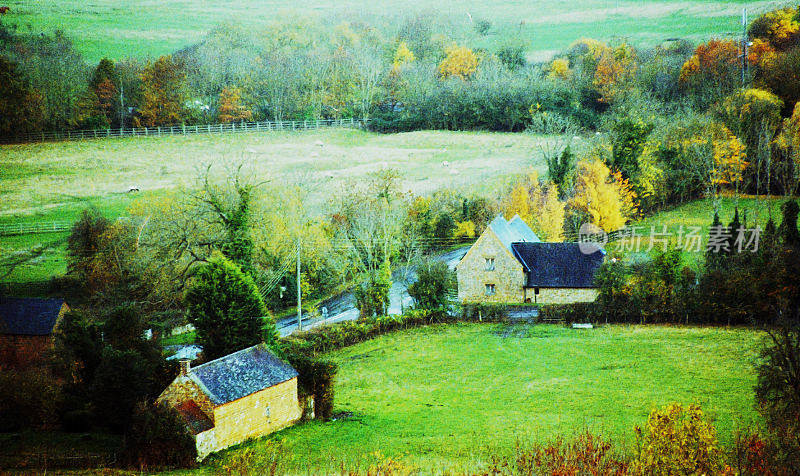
[(149, 28), (698, 213), (55, 181), (442, 398)]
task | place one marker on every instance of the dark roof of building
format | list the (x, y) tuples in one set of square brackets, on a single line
[(196, 420), (241, 374), (558, 265), (29, 316)]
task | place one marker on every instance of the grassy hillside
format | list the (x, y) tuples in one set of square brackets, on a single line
[(445, 397), (699, 213), (54, 181), (145, 27)]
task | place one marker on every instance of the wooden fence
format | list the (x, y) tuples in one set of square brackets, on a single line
[(183, 129), (31, 228), (41, 462)]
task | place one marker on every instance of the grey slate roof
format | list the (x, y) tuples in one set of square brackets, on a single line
[(511, 232), (241, 374), (29, 316), (523, 231), (557, 265)]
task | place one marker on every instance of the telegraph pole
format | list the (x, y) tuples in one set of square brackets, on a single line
[(299, 293), (121, 105), (744, 47)]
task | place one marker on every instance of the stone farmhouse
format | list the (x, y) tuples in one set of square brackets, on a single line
[(509, 264), (247, 394), (27, 329)]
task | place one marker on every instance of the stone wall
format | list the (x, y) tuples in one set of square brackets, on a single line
[(508, 276), (561, 295), (183, 389), (256, 415), (206, 443), (21, 352)]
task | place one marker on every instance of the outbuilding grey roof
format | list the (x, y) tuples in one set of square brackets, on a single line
[(241, 374), (29, 316), (512, 231), (558, 265)]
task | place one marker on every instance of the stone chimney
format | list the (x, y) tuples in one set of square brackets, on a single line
[(186, 366)]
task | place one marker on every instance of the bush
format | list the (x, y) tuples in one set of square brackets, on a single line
[(266, 460), (77, 421), (677, 441), (158, 438), (482, 312), (512, 56), (315, 377), (778, 393), (434, 284), (28, 400), (569, 313), (584, 454)]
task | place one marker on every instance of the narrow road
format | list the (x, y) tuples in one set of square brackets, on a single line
[(342, 307)]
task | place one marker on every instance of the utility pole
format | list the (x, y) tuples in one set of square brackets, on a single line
[(299, 293), (744, 46), (121, 105)]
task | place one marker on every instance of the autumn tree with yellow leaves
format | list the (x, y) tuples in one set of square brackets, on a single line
[(402, 56), (460, 62), (537, 203), (559, 69), (780, 28), (603, 196), (716, 157), (788, 144)]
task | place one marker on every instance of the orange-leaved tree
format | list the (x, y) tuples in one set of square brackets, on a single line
[(230, 106), (164, 86), (712, 71), (615, 72)]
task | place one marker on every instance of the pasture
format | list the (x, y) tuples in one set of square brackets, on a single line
[(107, 28), (47, 182), (443, 398)]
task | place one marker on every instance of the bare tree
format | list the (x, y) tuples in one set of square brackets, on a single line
[(368, 68)]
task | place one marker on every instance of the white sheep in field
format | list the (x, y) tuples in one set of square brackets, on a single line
[(445, 163)]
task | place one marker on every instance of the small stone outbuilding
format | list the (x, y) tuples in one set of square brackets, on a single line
[(509, 264), (247, 394), (27, 330)]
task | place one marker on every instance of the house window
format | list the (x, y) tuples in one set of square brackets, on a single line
[(489, 264), (266, 412), (490, 289)]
